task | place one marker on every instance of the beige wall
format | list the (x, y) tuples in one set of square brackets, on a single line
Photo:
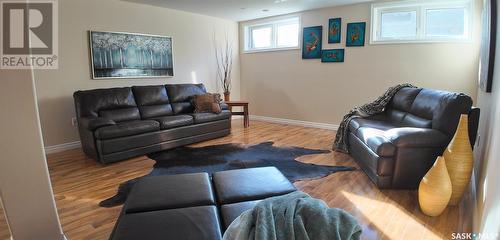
[(487, 152), (487, 212), (280, 84), (192, 45)]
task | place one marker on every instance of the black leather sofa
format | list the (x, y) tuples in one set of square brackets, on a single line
[(120, 123), (397, 147), (195, 206)]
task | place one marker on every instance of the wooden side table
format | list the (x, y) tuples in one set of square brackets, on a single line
[(244, 104)]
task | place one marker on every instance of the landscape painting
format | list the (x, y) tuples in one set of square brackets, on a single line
[(334, 30), (311, 42), (332, 55), (355, 34), (128, 55)]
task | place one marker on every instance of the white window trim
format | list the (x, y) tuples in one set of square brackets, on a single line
[(378, 8), (274, 22)]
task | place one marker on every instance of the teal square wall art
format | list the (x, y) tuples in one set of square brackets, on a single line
[(332, 55), (311, 42), (355, 34), (334, 30)]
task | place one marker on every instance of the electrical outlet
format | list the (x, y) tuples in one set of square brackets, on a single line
[(74, 122)]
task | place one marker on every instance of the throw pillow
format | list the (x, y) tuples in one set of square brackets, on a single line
[(207, 102)]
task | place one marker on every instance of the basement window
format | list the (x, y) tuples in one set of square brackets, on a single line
[(271, 35), (421, 21)]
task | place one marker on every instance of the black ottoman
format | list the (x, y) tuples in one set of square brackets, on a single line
[(239, 190), (250, 184), (194, 223), (170, 191), (230, 212), (184, 206)]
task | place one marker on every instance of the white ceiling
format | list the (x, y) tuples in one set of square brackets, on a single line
[(241, 10)]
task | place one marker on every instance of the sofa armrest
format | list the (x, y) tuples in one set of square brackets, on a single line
[(417, 137), (224, 106), (95, 123)]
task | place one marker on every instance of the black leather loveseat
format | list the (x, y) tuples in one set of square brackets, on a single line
[(120, 123), (397, 148)]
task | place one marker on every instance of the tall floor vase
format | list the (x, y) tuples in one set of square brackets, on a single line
[(434, 191), (459, 160)]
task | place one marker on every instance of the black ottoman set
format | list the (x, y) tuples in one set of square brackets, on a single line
[(195, 206)]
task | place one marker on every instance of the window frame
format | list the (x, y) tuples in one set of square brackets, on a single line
[(274, 23), (251, 44), (421, 7)]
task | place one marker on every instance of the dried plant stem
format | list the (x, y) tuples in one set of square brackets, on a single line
[(224, 60)]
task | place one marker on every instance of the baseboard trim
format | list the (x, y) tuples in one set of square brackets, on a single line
[(62, 147), (295, 122)]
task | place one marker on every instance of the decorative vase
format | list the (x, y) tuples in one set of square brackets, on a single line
[(434, 191), (226, 96), (459, 159)]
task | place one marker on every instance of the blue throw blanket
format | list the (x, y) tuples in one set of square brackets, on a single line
[(295, 216)]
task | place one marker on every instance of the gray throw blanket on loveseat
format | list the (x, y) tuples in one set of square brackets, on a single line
[(341, 142), (295, 216)]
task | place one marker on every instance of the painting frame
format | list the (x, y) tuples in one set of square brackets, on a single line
[(92, 51), (352, 30), (334, 35), (312, 50), (339, 55), (488, 46)]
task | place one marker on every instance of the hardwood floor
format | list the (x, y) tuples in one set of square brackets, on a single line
[(80, 184)]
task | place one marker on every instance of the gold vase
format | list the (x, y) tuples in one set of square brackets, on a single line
[(434, 191), (459, 160)]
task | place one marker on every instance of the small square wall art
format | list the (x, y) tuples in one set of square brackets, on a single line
[(311, 42), (334, 30), (355, 34), (332, 55)]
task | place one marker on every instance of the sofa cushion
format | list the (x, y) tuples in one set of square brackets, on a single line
[(409, 137), (168, 122), (150, 95), (191, 223), (121, 114), (129, 128), (170, 191), (184, 92), (404, 98), (210, 117), (374, 138), (180, 96), (442, 108), (394, 116), (357, 123), (410, 120), (182, 107), (252, 184), (152, 101), (90, 102), (230, 212), (95, 123)]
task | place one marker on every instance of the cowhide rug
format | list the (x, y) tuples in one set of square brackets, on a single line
[(216, 158)]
